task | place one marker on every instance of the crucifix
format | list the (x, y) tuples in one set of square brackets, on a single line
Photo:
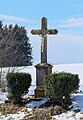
[(43, 68), (43, 32)]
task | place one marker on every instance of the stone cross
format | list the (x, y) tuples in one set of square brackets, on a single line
[(43, 32)]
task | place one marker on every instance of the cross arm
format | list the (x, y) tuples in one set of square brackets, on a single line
[(52, 31), (36, 32)]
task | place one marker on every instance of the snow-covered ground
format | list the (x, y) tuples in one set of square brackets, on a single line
[(18, 116), (3, 97), (70, 115), (36, 104), (78, 98), (78, 101)]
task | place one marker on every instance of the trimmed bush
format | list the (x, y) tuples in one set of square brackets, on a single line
[(17, 85), (59, 86)]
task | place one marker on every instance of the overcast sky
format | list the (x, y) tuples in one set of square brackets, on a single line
[(64, 15)]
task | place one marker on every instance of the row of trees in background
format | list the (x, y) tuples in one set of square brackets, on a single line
[(15, 47)]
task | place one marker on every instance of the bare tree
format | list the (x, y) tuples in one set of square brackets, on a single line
[(15, 48)]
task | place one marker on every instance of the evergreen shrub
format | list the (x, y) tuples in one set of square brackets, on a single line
[(59, 86), (18, 85)]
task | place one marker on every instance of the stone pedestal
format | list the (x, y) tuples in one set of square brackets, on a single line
[(42, 70), (39, 92)]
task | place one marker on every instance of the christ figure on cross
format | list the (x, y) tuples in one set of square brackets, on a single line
[(43, 32)]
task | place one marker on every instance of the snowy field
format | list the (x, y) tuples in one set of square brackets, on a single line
[(73, 68), (78, 98)]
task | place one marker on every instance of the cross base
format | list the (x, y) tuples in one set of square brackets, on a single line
[(42, 70), (39, 92)]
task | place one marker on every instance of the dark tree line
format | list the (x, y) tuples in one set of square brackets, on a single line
[(15, 47)]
